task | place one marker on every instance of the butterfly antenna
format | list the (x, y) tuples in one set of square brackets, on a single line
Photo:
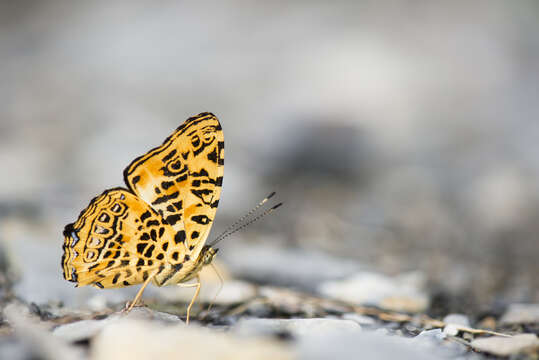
[(241, 219), (224, 236)]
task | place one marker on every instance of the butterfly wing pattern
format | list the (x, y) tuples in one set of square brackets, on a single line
[(158, 226)]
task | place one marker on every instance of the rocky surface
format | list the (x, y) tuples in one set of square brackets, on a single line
[(351, 312), (274, 323)]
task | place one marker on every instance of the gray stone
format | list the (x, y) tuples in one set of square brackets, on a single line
[(505, 346), (80, 330), (434, 334), (435, 341), (296, 327), (405, 292), (362, 345), (521, 314), (137, 339)]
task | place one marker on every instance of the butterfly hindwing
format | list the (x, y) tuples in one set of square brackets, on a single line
[(118, 240), (182, 179)]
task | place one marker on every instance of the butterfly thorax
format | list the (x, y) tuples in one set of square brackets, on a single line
[(182, 272)]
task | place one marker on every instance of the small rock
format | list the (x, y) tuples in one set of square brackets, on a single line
[(405, 292), (136, 339), (454, 323), (296, 327), (505, 346), (435, 334), (521, 314), (434, 341), (451, 329), (457, 319), (80, 330)]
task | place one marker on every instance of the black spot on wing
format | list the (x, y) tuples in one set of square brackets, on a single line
[(201, 173), (199, 193), (145, 215), (219, 181), (201, 219), (179, 179), (166, 184), (173, 219), (212, 156), (179, 237), (165, 198), (149, 251), (140, 247)]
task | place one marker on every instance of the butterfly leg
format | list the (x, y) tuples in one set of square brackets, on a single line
[(139, 294), (221, 284), (197, 291)]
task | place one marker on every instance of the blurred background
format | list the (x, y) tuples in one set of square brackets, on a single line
[(402, 136)]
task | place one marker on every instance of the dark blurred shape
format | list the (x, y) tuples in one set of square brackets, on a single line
[(324, 150)]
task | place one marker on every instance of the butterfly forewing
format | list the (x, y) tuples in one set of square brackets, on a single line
[(182, 178), (117, 241)]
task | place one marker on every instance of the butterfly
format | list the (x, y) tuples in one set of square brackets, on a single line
[(154, 230)]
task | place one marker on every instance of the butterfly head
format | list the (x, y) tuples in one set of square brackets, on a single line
[(208, 253)]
